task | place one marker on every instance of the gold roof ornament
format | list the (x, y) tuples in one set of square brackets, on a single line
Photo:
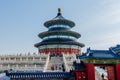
[(59, 10)]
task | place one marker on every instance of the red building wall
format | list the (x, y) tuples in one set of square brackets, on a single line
[(117, 70), (80, 74), (90, 71), (59, 50)]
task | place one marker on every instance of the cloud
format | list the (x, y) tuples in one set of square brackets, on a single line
[(106, 41), (104, 26), (111, 13)]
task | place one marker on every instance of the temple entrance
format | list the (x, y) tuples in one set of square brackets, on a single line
[(104, 72)]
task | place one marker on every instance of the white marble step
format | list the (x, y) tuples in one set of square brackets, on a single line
[(57, 62)]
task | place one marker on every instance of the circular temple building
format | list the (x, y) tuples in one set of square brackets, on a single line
[(59, 38)]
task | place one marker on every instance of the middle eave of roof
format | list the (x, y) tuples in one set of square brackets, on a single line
[(50, 43), (59, 32)]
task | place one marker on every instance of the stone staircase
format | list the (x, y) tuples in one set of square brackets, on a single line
[(55, 64)]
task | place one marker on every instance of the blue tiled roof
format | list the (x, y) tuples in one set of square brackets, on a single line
[(59, 32), (45, 75), (57, 40), (59, 19), (58, 28), (102, 54), (116, 48)]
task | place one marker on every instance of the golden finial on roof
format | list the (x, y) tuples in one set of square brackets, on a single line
[(59, 10)]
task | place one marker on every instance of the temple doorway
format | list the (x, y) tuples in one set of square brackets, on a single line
[(104, 72)]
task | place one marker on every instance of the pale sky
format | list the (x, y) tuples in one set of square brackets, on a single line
[(98, 21)]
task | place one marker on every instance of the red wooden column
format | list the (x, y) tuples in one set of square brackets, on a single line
[(90, 71), (117, 68)]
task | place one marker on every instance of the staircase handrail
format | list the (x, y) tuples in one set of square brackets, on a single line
[(47, 61), (65, 62)]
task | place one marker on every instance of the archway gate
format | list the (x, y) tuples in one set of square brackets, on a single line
[(113, 71), (106, 58)]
